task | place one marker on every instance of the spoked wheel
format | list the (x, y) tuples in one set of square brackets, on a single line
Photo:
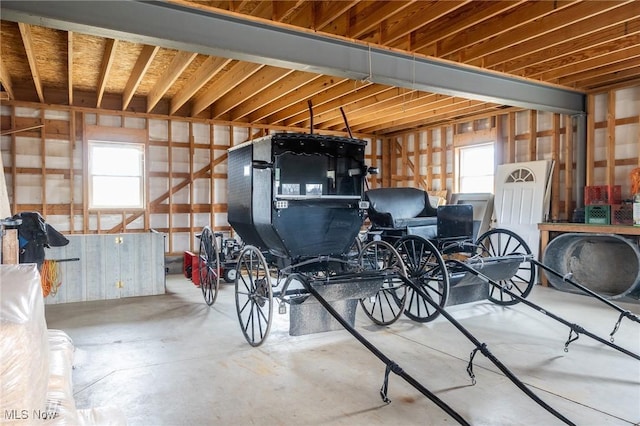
[(425, 268), (254, 297), (502, 242), (385, 307), (208, 265)]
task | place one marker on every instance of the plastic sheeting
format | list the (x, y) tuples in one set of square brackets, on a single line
[(24, 345), (36, 385)]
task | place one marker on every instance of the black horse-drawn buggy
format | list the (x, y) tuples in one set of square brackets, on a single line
[(298, 202)]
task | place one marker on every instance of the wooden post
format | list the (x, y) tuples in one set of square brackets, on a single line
[(10, 247), (429, 159), (170, 185), (416, 160), (212, 183), (191, 185), (443, 158)]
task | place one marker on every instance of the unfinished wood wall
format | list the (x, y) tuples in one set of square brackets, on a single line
[(45, 164), (426, 158)]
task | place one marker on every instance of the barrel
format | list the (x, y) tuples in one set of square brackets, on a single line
[(607, 264)]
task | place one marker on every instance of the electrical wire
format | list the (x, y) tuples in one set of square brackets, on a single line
[(50, 278)]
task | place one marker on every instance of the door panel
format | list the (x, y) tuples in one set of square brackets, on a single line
[(521, 198)]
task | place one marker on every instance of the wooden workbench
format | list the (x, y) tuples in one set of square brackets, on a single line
[(547, 228)]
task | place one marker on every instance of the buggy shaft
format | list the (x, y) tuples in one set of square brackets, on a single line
[(382, 357), (574, 327), (485, 351), (588, 291)]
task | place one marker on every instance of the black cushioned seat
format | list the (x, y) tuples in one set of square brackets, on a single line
[(400, 208)]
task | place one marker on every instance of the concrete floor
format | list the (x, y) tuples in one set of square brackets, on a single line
[(172, 360)]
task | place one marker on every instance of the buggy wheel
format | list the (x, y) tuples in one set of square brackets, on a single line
[(502, 242), (208, 266), (426, 269), (385, 307), (254, 297)]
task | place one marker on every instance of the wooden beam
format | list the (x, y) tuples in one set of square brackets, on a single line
[(419, 15), (179, 63), (369, 16), (5, 79), (209, 68), (443, 158), (459, 20), (273, 93), (327, 10), (553, 22), (70, 65), (259, 81), (499, 24), (282, 9), (416, 160), (105, 69), (27, 40), (226, 83), (139, 70)]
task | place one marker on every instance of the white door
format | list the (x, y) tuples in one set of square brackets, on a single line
[(522, 198)]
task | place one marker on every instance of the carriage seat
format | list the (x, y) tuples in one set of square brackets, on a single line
[(400, 208)]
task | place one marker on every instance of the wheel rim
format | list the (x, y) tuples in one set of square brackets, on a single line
[(385, 307), (254, 297), (426, 268), (502, 242), (208, 261)]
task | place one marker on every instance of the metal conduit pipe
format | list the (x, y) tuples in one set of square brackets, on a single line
[(581, 157)]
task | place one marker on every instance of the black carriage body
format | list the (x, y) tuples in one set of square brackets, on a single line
[(297, 195)]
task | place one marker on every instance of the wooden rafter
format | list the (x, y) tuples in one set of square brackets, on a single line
[(209, 68), (581, 35), (179, 63), (552, 22), (418, 15), (281, 10), (500, 24), (5, 79), (297, 101), (368, 15), (465, 17), (139, 70), (273, 93), (233, 77), (260, 80), (105, 69), (327, 10), (27, 40), (349, 100)]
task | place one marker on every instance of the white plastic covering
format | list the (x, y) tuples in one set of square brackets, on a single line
[(36, 385), (24, 344)]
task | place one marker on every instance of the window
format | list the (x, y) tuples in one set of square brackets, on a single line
[(475, 168), (116, 175)]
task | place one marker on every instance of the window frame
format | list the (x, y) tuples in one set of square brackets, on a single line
[(140, 147), (458, 164)]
